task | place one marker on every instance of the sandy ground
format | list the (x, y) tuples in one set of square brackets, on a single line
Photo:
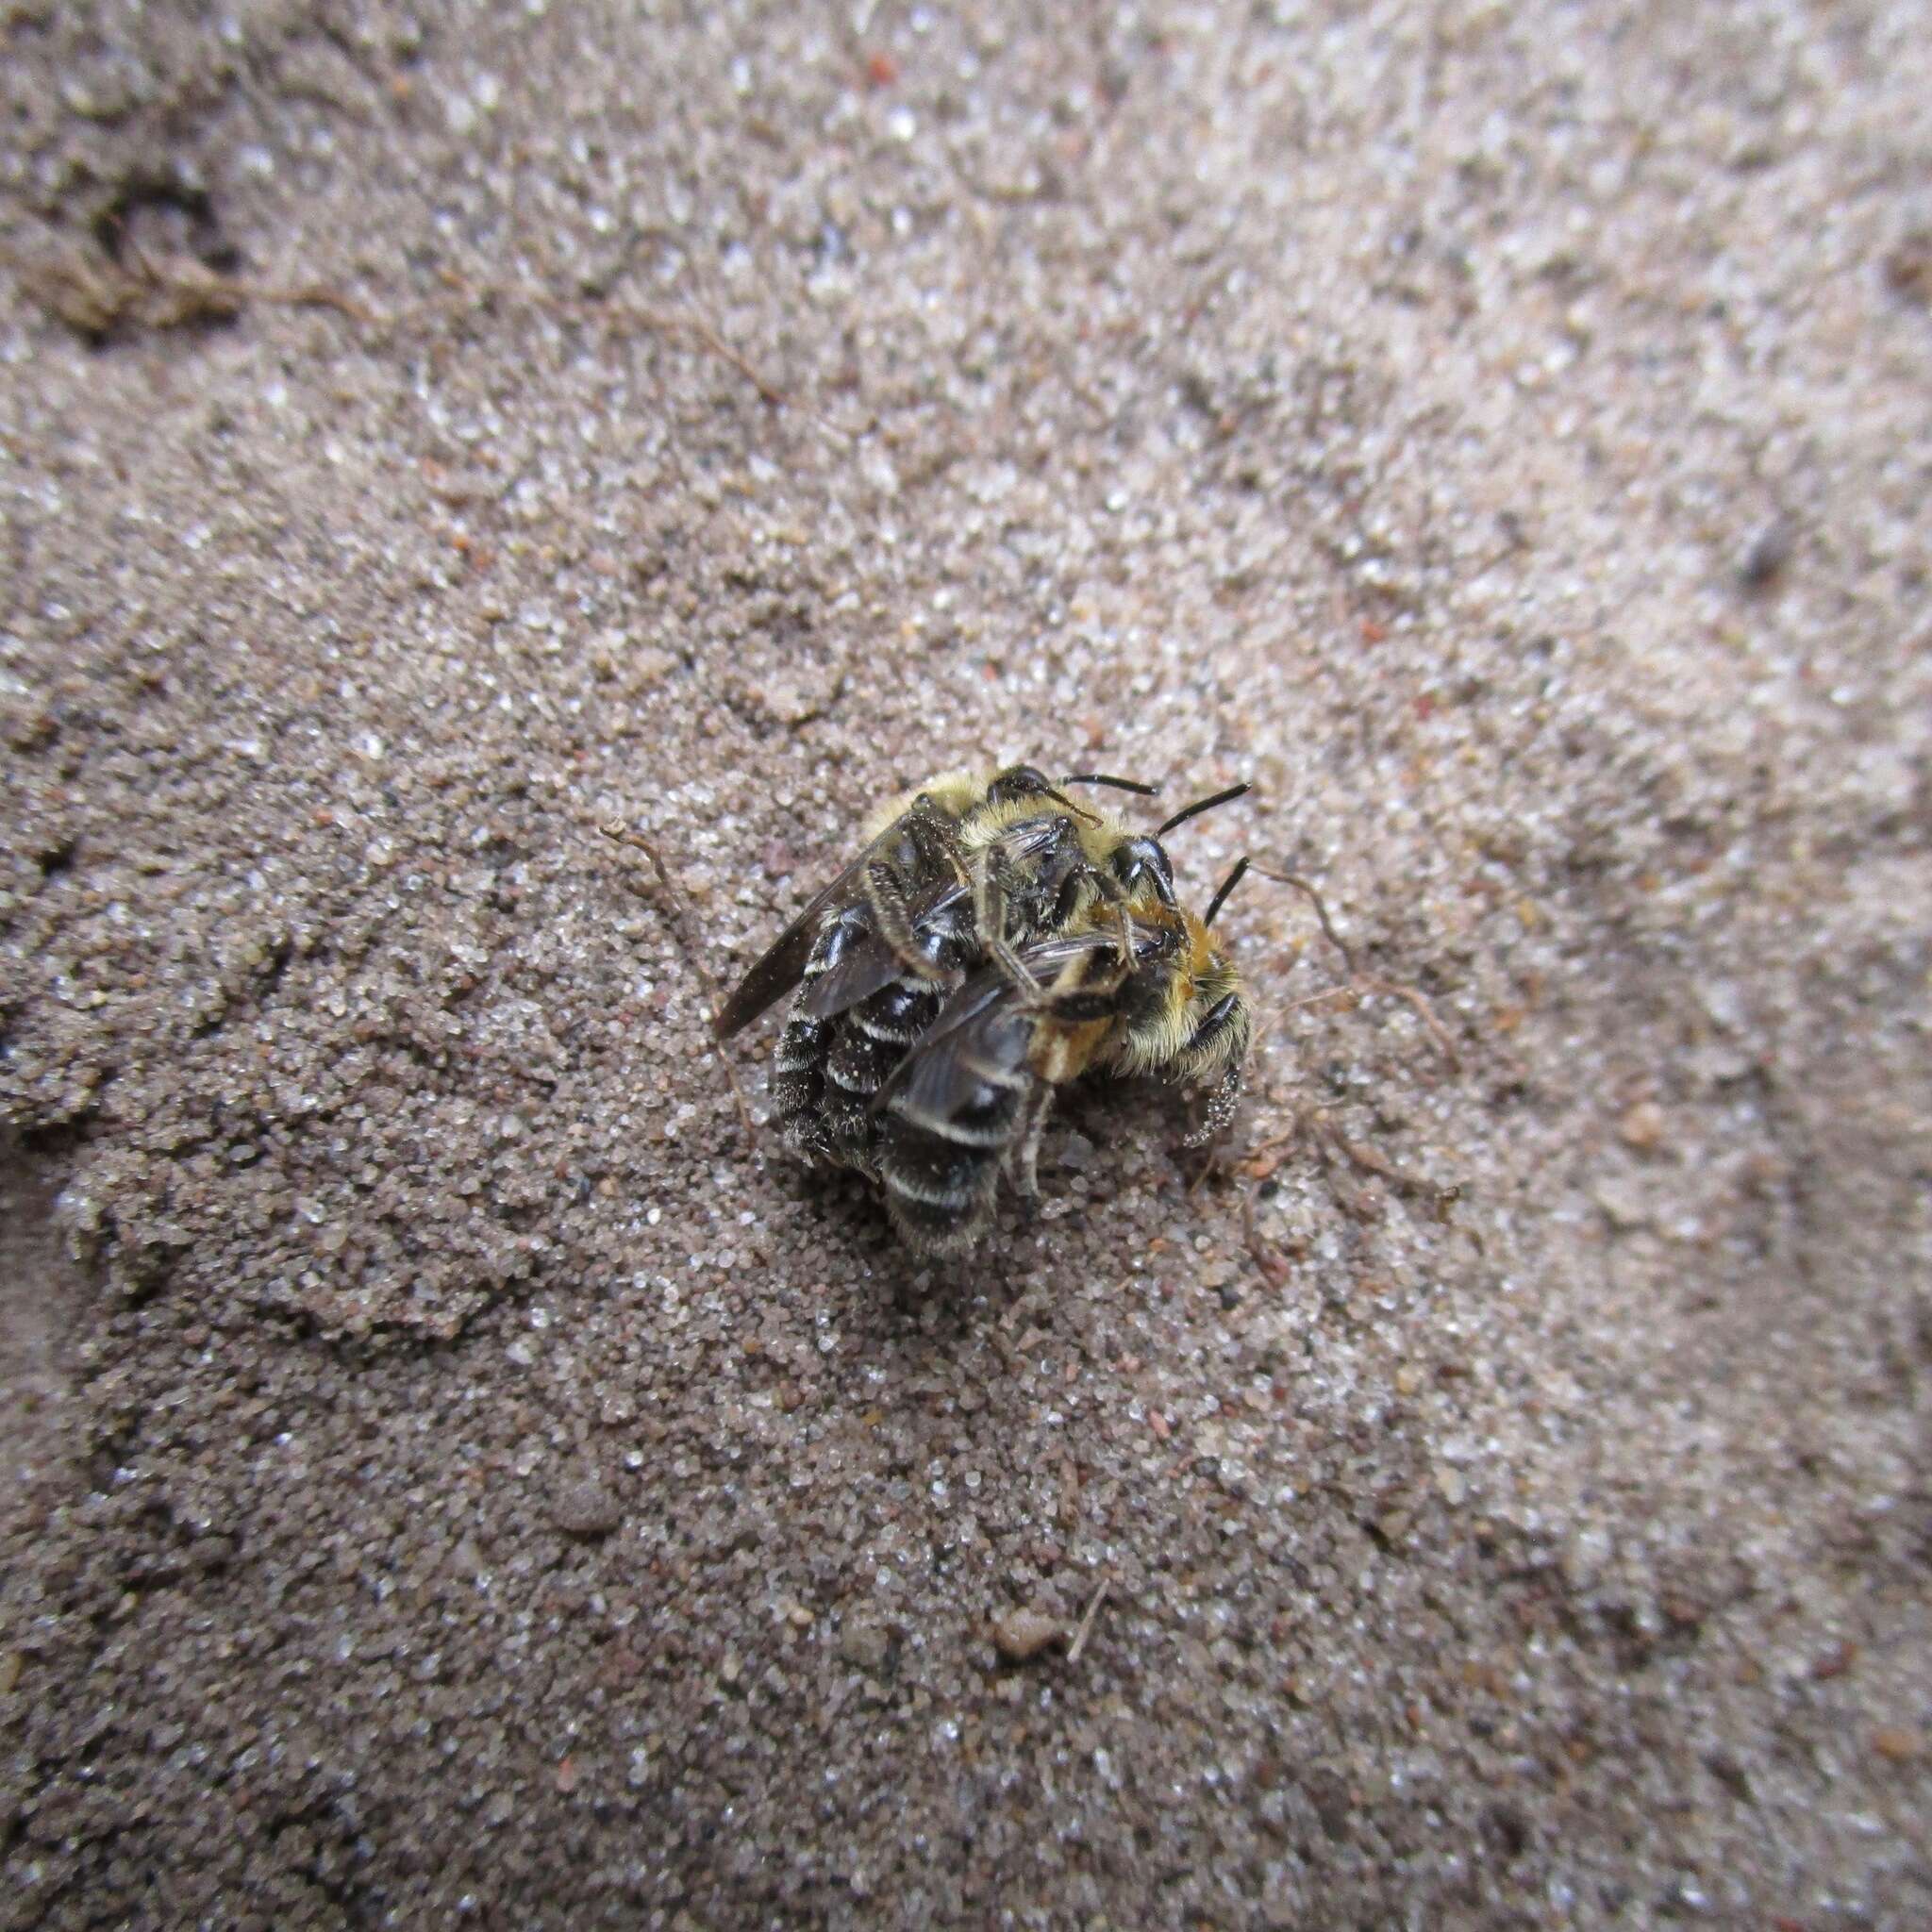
[(458, 1474)]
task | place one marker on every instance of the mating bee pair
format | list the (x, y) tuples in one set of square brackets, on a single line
[(992, 942)]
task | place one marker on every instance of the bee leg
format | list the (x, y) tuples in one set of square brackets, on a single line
[(1015, 967), (948, 839), (924, 827), (929, 823), (1104, 886), (1222, 1104), (990, 916), (1024, 1156), (886, 898), (1126, 941)]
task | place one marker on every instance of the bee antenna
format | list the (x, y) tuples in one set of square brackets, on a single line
[(1118, 784), (1226, 886), (1079, 811), (1200, 805)]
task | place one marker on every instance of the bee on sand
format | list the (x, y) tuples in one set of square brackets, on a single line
[(992, 942)]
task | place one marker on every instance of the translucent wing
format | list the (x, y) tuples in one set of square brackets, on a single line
[(784, 962), (978, 1046), (782, 965)]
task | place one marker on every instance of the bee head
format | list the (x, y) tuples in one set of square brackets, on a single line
[(1017, 782), (1143, 864)]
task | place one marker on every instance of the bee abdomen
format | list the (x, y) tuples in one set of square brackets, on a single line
[(940, 1173), (860, 1059), (859, 1064), (901, 1012), (798, 1085), (855, 1071), (945, 1221)]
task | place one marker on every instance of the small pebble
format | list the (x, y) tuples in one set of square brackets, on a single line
[(1622, 1202), (1020, 1635), (585, 1508), (1770, 551), (863, 1645)]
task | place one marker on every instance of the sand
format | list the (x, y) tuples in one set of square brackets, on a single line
[(461, 1478)]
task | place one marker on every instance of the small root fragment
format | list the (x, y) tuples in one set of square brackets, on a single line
[(99, 295), (1330, 1144), (1086, 1629), (1258, 1163), (1273, 1263), (1365, 1160), (1363, 983), (673, 902), (1417, 1001)]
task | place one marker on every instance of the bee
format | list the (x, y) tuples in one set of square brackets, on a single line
[(992, 942), (968, 1101), (875, 953)]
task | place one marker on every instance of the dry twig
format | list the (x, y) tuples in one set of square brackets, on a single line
[(1270, 1261), (1362, 982), (1328, 1139), (98, 295)]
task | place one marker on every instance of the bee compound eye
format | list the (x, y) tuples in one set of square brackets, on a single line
[(1144, 859), (1018, 781)]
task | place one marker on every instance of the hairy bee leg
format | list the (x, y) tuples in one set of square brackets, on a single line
[(928, 821), (1222, 1104), (886, 900), (989, 917), (946, 835), (1016, 969), (1104, 886), (1126, 938), (885, 893)]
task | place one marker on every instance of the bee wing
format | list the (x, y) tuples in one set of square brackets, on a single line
[(982, 1035), (870, 962), (783, 963)]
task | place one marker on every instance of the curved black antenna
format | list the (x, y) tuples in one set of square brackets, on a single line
[(1200, 805), (1226, 886), (1118, 784)]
